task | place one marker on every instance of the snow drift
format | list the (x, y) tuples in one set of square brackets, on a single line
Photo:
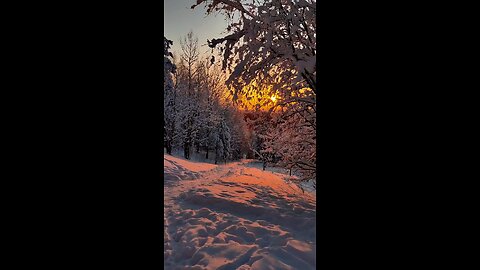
[(235, 217)]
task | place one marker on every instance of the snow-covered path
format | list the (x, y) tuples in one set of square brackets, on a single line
[(235, 216)]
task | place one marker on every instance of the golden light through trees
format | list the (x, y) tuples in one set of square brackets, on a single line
[(257, 97)]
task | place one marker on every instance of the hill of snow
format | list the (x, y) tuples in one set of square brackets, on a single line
[(235, 216)]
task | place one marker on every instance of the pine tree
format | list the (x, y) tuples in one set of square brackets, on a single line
[(169, 97)]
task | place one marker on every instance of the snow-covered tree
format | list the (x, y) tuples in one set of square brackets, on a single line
[(222, 141), (271, 39), (188, 91), (211, 87), (169, 96), (239, 133), (273, 42), (293, 142)]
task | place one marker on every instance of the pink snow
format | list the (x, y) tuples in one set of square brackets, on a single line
[(235, 216), (171, 162)]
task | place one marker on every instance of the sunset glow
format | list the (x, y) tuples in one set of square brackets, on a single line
[(240, 132)]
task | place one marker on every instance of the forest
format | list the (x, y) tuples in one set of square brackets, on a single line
[(254, 95)]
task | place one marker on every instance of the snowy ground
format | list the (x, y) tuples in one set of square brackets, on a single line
[(235, 216)]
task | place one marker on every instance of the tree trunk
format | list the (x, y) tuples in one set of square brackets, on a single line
[(186, 151), (206, 155), (168, 145)]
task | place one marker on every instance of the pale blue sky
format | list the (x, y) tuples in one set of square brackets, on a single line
[(180, 19)]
